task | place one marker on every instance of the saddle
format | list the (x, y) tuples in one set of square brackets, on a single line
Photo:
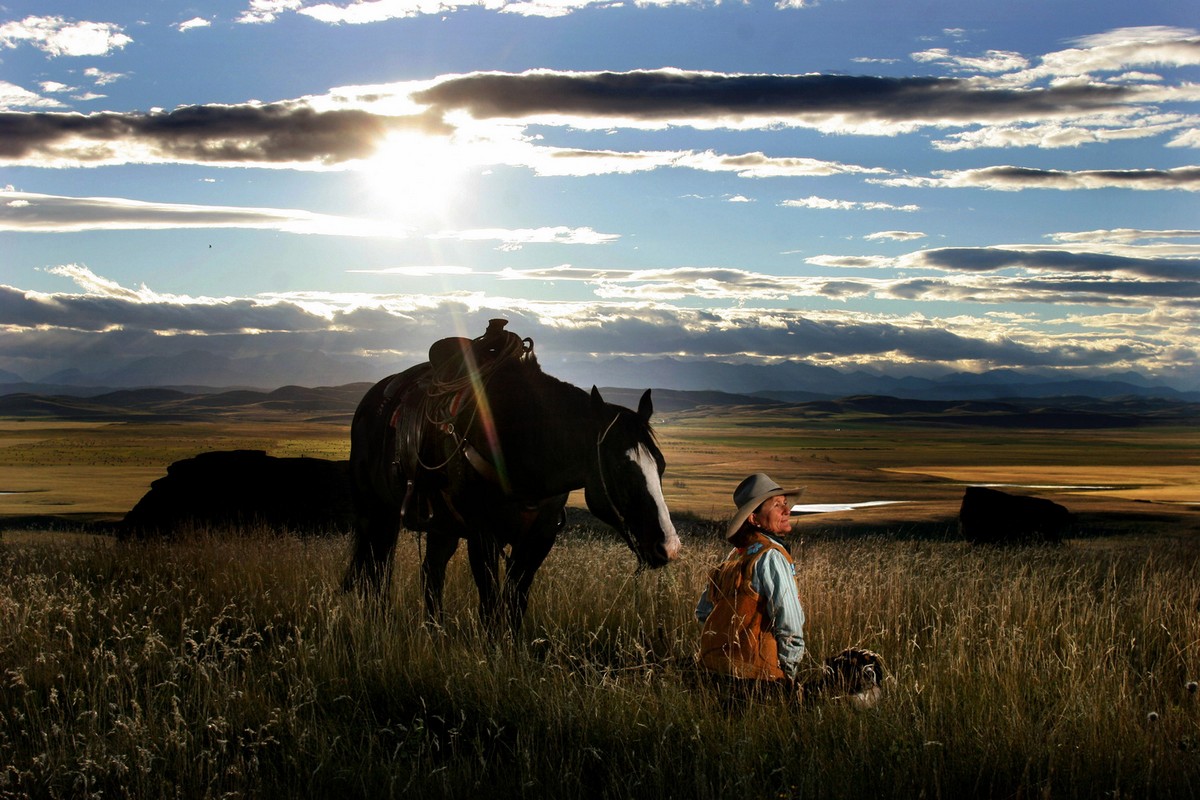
[(434, 399), (457, 358)]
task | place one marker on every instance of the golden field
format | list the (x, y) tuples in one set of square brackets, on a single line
[(228, 663), (100, 470)]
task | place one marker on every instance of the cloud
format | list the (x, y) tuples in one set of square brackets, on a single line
[(485, 117), (759, 165), (991, 259), (1188, 138), (368, 11), (656, 98), (58, 36), (577, 162), (852, 262), (104, 305), (102, 78), (991, 61), (515, 239), (894, 236), (1123, 235), (105, 326), (263, 11), (329, 133), (13, 96), (1010, 178), (845, 205), (1058, 290), (363, 12), (1121, 49), (1042, 277), (1114, 271), (41, 213), (1055, 135), (1116, 58), (192, 24), (710, 283), (280, 134)]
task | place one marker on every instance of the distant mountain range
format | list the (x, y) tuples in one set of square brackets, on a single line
[(336, 404), (202, 368), (205, 372), (799, 382)]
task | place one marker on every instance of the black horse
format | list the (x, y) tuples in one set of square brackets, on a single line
[(480, 444)]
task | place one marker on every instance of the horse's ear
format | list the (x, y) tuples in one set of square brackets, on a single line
[(645, 407), (597, 401)]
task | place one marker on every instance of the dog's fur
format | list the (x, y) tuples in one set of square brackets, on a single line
[(855, 673)]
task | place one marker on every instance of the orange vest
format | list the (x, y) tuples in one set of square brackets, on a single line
[(736, 638)]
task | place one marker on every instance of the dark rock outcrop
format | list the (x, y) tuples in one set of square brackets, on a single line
[(246, 488), (988, 516)]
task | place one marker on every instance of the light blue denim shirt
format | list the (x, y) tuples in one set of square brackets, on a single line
[(775, 581)]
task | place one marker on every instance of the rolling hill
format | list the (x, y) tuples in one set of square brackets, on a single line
[(337, 404)]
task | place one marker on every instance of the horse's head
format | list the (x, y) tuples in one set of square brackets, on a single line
[(624, 484)]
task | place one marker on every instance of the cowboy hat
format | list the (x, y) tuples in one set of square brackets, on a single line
[(751, 493)]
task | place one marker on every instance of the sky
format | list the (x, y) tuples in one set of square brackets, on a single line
[(907, 188)]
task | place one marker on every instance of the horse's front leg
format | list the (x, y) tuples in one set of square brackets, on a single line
[(484, 551), (439, 547), (538, 535)]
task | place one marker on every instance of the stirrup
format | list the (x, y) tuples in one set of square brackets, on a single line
[(410, 516)]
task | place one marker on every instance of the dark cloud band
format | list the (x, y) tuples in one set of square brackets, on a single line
[(662, 95), (989, 259), (269, 134)]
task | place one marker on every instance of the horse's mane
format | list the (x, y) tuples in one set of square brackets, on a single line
[(528, 369)]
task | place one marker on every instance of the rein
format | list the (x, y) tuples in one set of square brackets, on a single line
[(624, 526)]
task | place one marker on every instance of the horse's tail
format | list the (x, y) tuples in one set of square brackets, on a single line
[(379, 474)]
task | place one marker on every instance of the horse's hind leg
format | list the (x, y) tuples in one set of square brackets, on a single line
[(375, 532), (439, 547)]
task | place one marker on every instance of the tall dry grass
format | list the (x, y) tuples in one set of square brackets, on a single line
[(233, 667)]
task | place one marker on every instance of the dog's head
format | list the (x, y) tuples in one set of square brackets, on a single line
[(853, 670)]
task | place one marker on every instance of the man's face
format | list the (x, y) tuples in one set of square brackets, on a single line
[(774, 516)]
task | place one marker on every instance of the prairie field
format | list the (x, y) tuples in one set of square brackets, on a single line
[(228, 663), (233, 666)]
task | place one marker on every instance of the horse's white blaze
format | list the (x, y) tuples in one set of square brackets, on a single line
[(642, 457)]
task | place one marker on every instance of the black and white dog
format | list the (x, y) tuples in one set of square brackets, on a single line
[(855, 674)]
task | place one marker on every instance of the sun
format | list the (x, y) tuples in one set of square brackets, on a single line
[(415, 179)]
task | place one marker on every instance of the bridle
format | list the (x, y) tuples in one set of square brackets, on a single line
[(622, 526)]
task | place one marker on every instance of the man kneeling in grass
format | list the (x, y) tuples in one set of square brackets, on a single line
[(753, 623)]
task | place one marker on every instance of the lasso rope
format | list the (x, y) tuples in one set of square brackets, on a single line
[(513, 347)]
